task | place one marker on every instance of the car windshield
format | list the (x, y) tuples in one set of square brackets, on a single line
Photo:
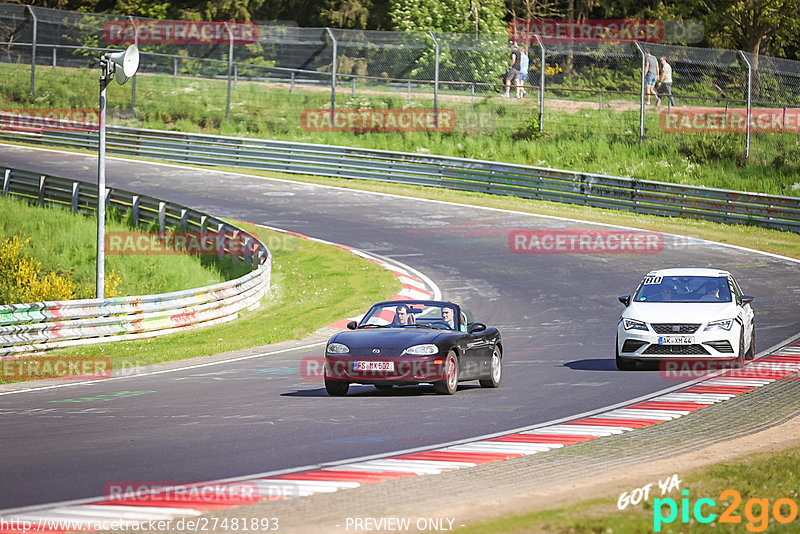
[(411, 315), (683, 289)]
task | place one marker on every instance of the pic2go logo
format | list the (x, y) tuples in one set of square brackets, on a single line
[(756, 511)]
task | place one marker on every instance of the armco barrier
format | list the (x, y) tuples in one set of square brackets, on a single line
[(47, 325), (641, 196)]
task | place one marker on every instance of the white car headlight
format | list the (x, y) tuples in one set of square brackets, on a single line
[(422, 350), (633, 324), (338, 348), (724, 324)]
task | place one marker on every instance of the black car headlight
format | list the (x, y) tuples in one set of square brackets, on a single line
[(337, 348), (428, 349)]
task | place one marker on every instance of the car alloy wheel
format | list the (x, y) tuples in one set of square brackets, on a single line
[(497, 370), (449, 383)]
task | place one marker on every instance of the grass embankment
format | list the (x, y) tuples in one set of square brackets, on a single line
[(769, 478), (586, 140), (66, 244)]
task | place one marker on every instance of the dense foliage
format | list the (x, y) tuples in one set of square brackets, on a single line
[(769, 27)]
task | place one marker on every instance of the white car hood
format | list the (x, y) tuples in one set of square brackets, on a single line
[(675, 312)]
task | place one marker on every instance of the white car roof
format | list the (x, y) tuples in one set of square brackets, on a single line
[(689, 271)]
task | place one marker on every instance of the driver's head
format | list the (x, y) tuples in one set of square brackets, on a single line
[(448, 315), (402, 314)]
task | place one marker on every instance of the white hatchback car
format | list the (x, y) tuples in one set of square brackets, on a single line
[(685, 314)]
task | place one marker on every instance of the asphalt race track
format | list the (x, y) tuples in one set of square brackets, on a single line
[(557, 314)]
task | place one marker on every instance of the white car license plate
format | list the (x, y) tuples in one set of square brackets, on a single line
[(676, 340), (373, 366)]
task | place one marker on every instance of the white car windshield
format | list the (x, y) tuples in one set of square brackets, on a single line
[(683, 289)]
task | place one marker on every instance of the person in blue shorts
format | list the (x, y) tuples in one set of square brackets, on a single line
[(650, 76)]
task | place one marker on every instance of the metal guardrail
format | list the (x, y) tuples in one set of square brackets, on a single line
[(596, 190), (47, 325)]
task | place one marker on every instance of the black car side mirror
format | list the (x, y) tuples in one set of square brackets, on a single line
[(747, 299), (352, 325), (477, 327), (625, 299)]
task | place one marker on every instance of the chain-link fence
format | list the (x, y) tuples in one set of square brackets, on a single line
[(745, 102)]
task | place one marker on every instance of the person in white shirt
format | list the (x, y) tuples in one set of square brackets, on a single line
[(666, 79)]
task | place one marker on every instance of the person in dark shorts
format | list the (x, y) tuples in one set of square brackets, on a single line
[(513, 68), (650, 76)]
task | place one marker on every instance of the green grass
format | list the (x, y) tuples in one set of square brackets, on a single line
[(313, 285), (761, 476), (66, 244), (585, 139)]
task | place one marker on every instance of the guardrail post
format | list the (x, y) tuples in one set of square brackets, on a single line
[(541, 82), (641, 96), (184, 222), (203, 223), (135, 210), (33, 48), (42, 180), (435, 83), (162, 213), (333, 73), (133, 80), (220, 240), (76, 186), (749, 103), (230, 70), (6, 181)]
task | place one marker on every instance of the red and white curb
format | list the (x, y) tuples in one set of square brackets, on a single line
[(131, 510)]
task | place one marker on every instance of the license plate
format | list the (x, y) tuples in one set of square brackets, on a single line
[(676, 340), (373, 366)]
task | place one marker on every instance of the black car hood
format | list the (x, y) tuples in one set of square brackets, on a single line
[(388, 338)]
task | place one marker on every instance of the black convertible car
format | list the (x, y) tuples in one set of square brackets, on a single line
[(404, 342)]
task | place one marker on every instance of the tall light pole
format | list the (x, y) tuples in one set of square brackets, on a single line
[(109, 63)]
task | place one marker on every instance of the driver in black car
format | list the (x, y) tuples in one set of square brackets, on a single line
[(402, 316), (448, 316)]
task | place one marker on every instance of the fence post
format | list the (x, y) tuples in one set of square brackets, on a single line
[(291, 87), (54, 57), (230, 70), (174, 69), (641, 97), (333, 73), (133, 80), (541, 82), (33, 48), (435, 83), (749, 103)]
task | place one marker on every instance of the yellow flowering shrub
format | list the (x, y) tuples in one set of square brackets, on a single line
[(22, 280)]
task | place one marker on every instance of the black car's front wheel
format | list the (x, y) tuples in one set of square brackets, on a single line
[(449, 383), (336, 388), (496, 370)]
